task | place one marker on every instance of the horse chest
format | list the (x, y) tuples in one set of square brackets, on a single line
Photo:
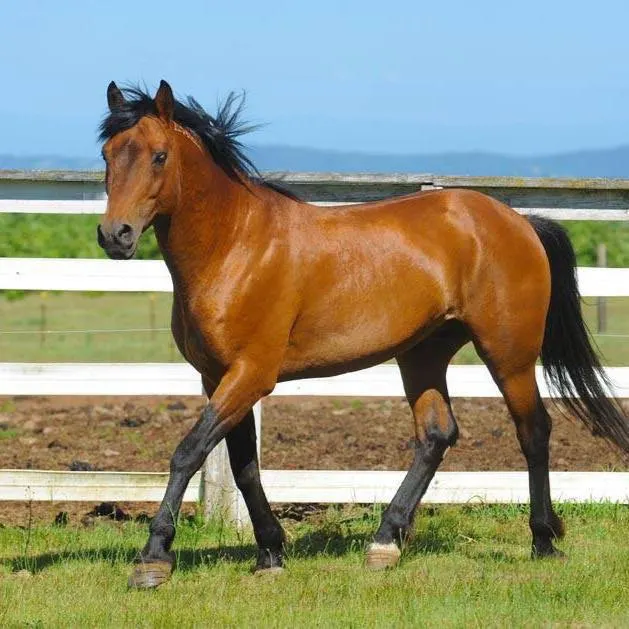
[(194, 345)]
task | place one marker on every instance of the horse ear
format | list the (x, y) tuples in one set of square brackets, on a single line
[(115, 98), (165, 101)]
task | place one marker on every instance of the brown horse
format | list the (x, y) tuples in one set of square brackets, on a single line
[(269, 288)]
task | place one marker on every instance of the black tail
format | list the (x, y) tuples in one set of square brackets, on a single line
[(570, 362)]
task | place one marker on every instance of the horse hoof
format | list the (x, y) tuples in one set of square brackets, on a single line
[(381, 556), (547, 553), (268, 572), (149, 575)]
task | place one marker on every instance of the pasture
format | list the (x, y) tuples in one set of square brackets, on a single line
[(150, 313), (465, 567)]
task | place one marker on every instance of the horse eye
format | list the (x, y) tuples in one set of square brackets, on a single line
[(159, 158), (102, 154)]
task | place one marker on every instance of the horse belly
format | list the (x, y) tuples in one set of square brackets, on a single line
[(336, 338)]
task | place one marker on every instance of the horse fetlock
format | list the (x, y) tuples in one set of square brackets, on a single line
[(553, 528), (546, 550), (162, 534), (269, 559)]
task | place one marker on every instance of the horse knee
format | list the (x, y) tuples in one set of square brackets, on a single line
[(194, 447), (550, 527), (436, 426)]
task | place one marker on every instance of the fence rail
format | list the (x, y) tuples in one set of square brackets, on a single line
[(315, 486), (471, 381), (84, 274), (82, 193)]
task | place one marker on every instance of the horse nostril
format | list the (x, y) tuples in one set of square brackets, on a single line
[(118, 240), (124, 234)]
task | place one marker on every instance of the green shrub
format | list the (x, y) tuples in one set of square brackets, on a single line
[(65, 236), (587, 235)]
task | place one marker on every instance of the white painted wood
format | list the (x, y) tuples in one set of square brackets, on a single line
[(317, 486), (257, 418), (576, 214), (37, 206), (84, 275), (220, 494), (603, 282), (152, 276), (558, 214), (91, 206), (447, 487), (99, 379), (89, 486), (385, 381), (182, 379)]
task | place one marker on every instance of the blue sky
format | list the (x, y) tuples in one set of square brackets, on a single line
[(528, 77)]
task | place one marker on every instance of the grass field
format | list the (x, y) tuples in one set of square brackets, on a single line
[(22, 320), (74, 312), (466, 567)]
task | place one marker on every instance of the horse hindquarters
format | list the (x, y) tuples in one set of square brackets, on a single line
[(506, 315), (536, 311)]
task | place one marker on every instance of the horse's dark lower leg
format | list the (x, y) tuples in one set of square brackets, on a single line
[(423, 372), (238, 390), (429, 452), (241, 443), (155, 562), (533, 425)]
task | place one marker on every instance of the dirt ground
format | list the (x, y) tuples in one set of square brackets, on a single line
[(139, 434)]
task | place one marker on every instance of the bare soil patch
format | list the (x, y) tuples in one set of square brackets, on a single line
[(140, 433)]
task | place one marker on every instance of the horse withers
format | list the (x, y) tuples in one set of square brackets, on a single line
[(269, 288)]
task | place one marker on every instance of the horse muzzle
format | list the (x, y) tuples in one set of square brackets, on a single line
[(119, 241)]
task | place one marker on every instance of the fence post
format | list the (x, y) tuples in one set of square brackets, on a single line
[(43, 319), (601, 304), (220, 494)]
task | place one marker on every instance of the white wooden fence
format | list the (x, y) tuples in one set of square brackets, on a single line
[(592, 200)]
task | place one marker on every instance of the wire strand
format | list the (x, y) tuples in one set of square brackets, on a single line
[(100, 331)]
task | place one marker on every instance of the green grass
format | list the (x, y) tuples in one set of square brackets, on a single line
[(151, 312), (87, 311), (8, 433), (466, 567)]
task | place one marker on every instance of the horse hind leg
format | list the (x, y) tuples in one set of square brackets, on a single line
[(512, 366), (423, 370), (243, 457), (533, 426)]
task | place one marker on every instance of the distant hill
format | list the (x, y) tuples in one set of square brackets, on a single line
[(48, 162), (612, 162), (591, 163)]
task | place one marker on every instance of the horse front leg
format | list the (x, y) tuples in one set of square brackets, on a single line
[(243, 456), (240, 388)]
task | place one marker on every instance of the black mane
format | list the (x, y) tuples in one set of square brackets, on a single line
[(219, 134)]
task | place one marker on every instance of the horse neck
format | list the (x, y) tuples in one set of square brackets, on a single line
[(210, 214)]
